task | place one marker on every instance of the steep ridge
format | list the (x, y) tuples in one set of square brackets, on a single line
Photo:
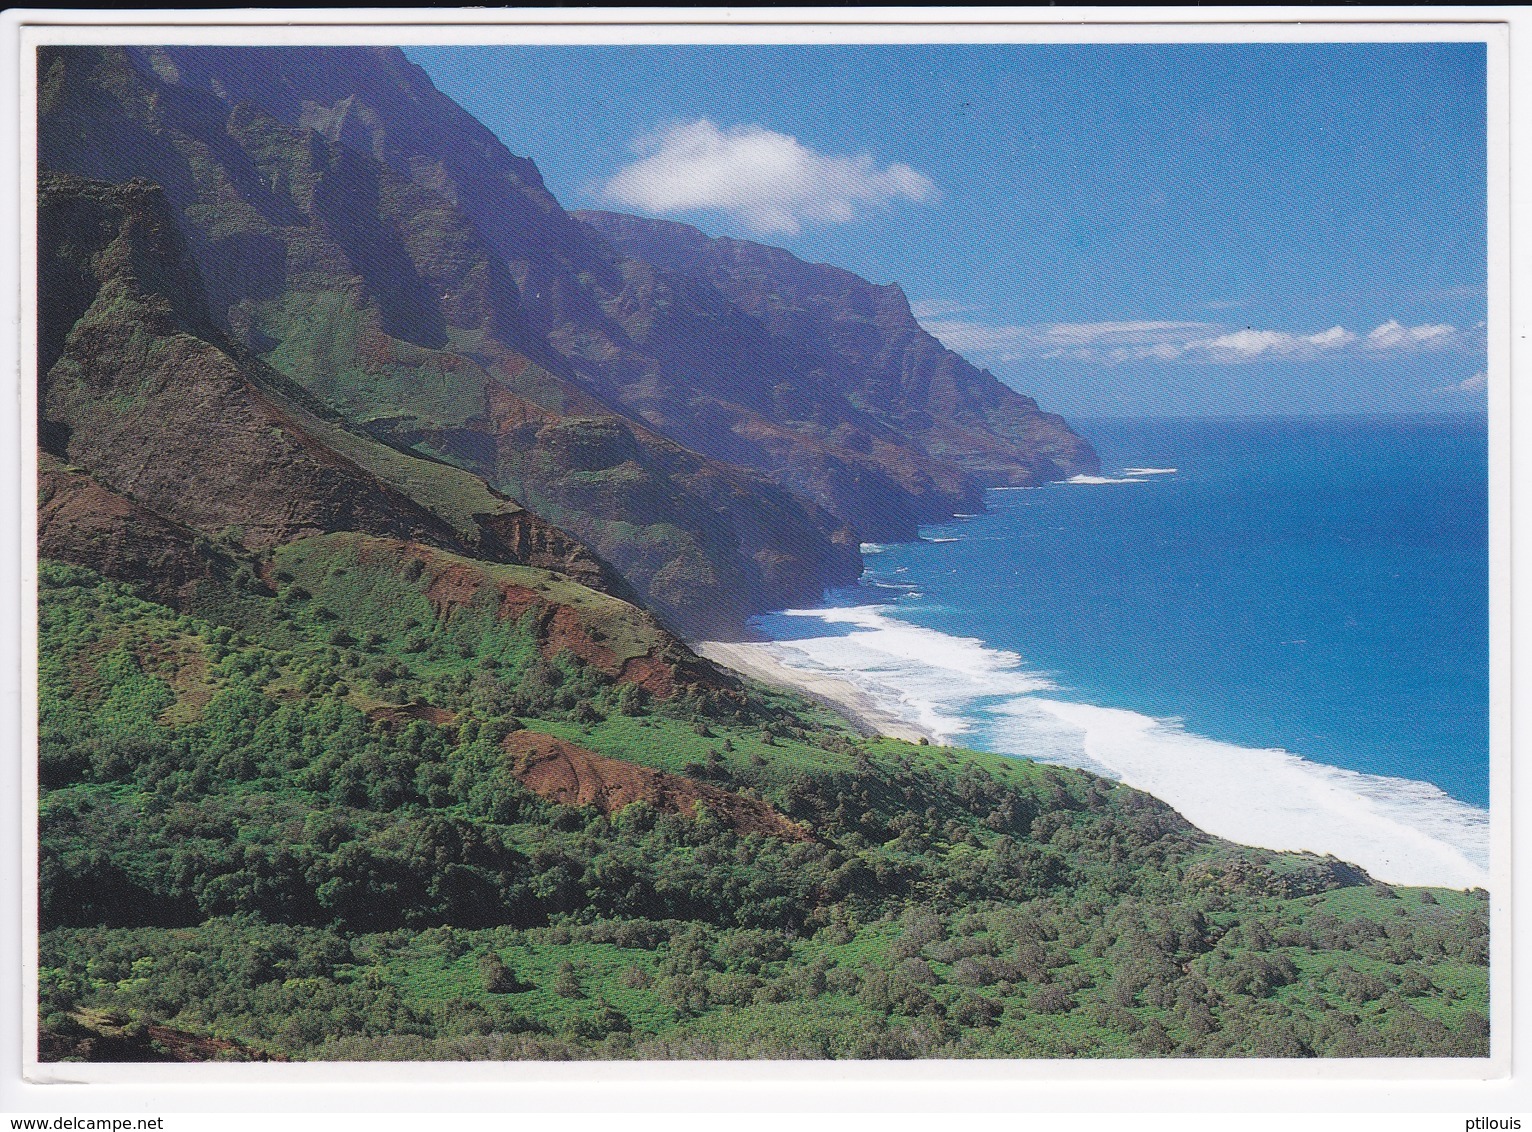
[(375, 243), (384, 297), (702, 372), (390, 582), (669, 349), (143, 388), (655, 337), (80, 521), (141, 394), (862, 340)]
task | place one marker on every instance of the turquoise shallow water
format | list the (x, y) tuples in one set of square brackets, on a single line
[(1314, 586)]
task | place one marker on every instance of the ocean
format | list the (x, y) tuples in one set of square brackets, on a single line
[(1280, 627)]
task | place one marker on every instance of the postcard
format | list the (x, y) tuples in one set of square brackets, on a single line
[(796, 542)]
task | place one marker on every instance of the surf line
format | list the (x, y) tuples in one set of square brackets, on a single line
[(963, 690)]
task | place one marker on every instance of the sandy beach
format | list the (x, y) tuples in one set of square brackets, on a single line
[(1401, 831), (757, 662)]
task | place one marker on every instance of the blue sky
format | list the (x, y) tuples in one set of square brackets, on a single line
[(1114, 229)]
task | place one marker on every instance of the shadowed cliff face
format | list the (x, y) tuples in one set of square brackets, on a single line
[(177, 464), (80, 521), (632, 382), (173, 432), (861, 341), (371, 243), (142, 396), (852, 405)]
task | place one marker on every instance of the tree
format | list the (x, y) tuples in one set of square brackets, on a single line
[(496, 977)]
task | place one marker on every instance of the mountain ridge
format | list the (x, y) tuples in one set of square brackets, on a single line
[(373, 243), (313, 279), (143, 371), (864, 339)]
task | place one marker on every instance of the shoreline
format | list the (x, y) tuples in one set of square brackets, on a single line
[(758, 663), (1257, 797)]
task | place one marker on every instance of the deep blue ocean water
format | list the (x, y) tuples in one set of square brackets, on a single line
[(1316, 586)]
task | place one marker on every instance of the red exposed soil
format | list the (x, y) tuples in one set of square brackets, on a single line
[(452, 588), (651, 674), (560, 628), (572, 776), (375, 350), (517, 535), (80, 521), (563, 628), (456, 587), (567, 631), (515, 601), (508, 412)]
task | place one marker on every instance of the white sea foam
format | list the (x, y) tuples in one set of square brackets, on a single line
[(1103, 479), (916, 673), (872, 548), (1149, 471), (1400, 831)]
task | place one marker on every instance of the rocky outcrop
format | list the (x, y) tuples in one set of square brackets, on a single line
[(862, 341), (370, 242), (81, 522), (617, 640), (161, 435), (99, 1036), (514, 534), (572, 776), (143, 397)]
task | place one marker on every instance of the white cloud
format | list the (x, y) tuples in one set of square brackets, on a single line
[(1394, 335), (1066, 339), (1248, 344), (937, 308), (1473, 383), (770, 181), (1329, 339), (1114, 343)]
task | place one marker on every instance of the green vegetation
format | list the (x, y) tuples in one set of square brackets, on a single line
[(303, 836), (447, 491), (386, 294), (339, 350)]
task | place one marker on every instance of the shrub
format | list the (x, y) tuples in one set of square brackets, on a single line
[(496, 977), (1051, 999)]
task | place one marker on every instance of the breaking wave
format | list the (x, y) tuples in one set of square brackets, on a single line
[(960, 689)]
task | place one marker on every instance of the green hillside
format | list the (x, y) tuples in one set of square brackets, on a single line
[(308, 840)]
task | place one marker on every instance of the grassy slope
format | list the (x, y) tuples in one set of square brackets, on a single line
[(232, 848), (455, 495)]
